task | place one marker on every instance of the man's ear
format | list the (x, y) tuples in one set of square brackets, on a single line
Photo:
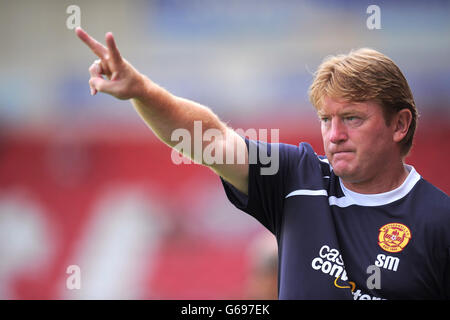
[(402, 122)]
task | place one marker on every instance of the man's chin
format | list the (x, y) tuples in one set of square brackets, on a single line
[(344, 172)]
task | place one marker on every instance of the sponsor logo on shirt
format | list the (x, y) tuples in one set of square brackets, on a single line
[(394, 237), (330, 262), (387, 262)]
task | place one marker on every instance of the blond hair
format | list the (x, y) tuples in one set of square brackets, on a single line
[(365, 75)]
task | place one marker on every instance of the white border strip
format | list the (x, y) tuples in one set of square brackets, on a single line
[(379, 199), (306, 192), (365, 200)]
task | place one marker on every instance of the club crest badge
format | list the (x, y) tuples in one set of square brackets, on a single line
[(394, 237)]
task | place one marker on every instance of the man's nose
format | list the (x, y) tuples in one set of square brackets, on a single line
[(338, 131)]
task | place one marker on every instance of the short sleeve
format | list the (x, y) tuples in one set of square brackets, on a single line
[(270, 165)]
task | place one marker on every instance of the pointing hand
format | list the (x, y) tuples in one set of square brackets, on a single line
[(122, 81)]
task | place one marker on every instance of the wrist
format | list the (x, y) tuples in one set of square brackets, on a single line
[(145, 89), (149, 93)]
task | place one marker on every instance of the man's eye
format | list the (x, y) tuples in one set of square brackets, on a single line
[(353, 120), (324, 119)]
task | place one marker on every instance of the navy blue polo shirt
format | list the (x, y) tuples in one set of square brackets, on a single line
[(337, 244)]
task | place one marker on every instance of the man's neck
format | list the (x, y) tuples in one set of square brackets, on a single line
[(388, 181)]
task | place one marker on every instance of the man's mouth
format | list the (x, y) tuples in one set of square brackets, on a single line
[(341, 155)]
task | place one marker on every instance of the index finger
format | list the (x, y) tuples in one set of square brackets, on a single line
[(93, 44)]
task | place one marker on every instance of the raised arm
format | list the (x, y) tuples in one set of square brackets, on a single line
[(162, 111)]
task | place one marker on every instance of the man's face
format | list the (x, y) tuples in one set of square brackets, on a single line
[(356, 139)]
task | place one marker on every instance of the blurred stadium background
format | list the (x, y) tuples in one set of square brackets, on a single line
[(84, 182)]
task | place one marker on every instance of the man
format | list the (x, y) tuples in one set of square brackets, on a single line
[(356, 224)]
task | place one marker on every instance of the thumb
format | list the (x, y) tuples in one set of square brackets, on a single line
[(101, 85)]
